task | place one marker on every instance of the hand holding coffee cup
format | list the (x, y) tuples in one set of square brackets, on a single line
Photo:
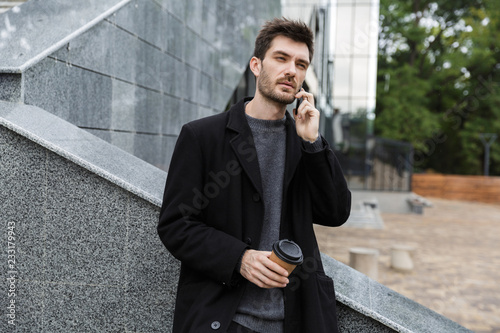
[(287, 254)]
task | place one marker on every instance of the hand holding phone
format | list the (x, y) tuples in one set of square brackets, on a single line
[(307, 120)]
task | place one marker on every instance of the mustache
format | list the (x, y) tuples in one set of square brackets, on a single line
[(288, 80)]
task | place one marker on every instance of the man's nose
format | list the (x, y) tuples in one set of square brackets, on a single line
[(291, 69)]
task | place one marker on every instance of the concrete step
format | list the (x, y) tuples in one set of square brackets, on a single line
[(365, 214)]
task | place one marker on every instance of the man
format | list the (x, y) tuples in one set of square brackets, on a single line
[(241, 180)]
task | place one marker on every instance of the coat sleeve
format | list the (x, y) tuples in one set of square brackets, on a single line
[(183, 228), (330, 196)]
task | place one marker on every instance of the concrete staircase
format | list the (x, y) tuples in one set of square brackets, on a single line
[(365, 214)]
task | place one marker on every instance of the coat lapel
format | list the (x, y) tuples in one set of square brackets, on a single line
[(243, 144), (293, 151)]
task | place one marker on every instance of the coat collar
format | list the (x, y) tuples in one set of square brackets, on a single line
[(244, 147)]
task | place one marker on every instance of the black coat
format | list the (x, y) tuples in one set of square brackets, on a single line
[(212, 211)]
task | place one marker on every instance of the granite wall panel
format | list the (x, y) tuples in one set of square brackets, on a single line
[(83, 308), (209, 21), (29, 308), (150, 147), (142, 145), (122, 106), (146, 254), (87, 254), (194, 9), (17, 184), (10, 87), (351, 321), (94, 214), (175, 36), (177, 8), (51, 85), (146, 20)]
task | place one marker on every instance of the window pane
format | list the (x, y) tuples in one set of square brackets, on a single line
[(359, 84), (342, 104), (343, 37), (341, 76), (362, 34), (358, 104)]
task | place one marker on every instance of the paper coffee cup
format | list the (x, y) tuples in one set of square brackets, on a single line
[(287, 254)]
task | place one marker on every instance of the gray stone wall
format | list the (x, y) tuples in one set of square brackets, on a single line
[(356, 322), (87, 255), (134, 71)]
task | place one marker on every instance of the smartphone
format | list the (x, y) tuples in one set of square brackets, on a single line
[(299, 100)]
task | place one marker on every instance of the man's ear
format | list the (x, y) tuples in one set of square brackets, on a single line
[(255, 66)]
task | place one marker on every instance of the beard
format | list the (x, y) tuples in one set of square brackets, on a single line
[(266, 89)]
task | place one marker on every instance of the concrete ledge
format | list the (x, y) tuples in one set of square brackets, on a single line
[(85, 149)]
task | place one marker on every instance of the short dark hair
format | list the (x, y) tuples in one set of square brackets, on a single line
[(297, 31)]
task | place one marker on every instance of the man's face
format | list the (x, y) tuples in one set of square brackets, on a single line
[(283, 70)]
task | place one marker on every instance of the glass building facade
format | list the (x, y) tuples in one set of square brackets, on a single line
[(354, 50), (351, 51)]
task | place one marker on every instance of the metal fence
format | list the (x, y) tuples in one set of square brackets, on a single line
[(377, 164)]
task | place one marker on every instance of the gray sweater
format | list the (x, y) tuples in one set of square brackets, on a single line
[(262, 310)]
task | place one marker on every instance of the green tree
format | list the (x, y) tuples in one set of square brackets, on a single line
[(438, 81)]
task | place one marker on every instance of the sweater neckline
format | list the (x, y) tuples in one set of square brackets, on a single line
[(266, 125)]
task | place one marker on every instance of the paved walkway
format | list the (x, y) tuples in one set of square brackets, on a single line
[(457, 258)]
